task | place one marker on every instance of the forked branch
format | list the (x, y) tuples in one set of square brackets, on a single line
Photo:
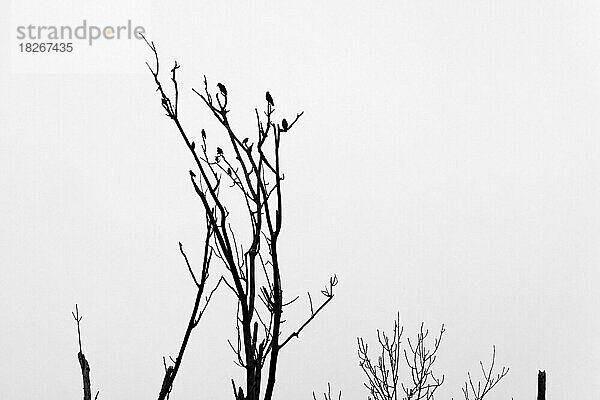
[(478, 390)]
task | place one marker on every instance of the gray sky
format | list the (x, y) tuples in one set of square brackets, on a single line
[(446, 167)]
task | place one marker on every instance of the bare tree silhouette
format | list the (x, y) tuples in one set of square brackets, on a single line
[(252, 271), (419, 356)]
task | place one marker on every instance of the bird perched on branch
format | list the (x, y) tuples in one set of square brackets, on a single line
[(222, 89), (284, 124), (203, 134), (269, 99), (219, 151)]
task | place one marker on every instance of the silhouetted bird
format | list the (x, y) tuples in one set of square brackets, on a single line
[(245, 141), (193, 145), (284, 124), (222, 89), (203, 134), (219, 151), (269, 99)]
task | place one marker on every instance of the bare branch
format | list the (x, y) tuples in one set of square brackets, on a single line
[(475, 391), (327, 395), (328, 293), (83, 363), (171, 371)]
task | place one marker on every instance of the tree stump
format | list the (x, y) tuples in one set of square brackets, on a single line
[(541, 385)]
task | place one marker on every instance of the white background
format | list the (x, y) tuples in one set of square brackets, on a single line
[(446, 166)]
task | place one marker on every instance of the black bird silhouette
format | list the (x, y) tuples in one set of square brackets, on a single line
[(222, 89), (245, 141), (203, 134), (193, 145), (269, 99), (284, 124), (219, 151)]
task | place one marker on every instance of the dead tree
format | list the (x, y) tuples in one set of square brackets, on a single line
[(419, 356), (252, 270), (83, 362), (541, 392)]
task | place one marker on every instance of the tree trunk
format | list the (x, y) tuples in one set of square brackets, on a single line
[(541, 385), (85, 373)]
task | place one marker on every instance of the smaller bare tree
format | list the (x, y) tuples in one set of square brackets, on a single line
[(383, 377), (419, 356)]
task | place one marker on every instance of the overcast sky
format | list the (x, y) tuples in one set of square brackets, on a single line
[(446, 166)]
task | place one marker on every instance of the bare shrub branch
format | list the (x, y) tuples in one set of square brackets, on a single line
[(382, 376), (479, 389), (327, 395)]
